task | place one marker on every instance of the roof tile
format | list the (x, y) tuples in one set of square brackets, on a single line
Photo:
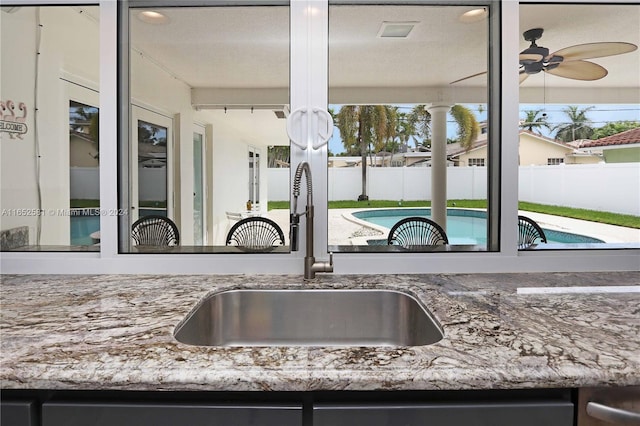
[(623, 138)]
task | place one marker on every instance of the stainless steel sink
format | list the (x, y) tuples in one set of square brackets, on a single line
[(309, 317)]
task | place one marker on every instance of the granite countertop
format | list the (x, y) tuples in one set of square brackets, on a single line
[(115, 332)]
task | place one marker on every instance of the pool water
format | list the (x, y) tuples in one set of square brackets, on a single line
[(463, 226), (86, 221), (81, 229)]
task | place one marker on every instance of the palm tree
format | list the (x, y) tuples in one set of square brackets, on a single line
[(468, 126), (403, 132), (578, 127), (420, 122), (613, 128), (278, 156), (362, 126), (405, 129), (92, 115), (533, 123), (387, 141)]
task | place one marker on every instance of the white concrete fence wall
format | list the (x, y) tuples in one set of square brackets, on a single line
[(85, 183), (390, 183), (603, 187)]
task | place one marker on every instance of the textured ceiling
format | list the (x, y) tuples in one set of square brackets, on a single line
[(233, 47)]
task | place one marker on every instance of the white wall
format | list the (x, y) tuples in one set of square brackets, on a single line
[(18, 156), (69, 48), (602, 187), (231, 177)]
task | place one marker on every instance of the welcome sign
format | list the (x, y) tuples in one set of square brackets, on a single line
[(10, 122)]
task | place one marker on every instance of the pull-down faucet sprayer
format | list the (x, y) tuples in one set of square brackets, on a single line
[(310, 264)]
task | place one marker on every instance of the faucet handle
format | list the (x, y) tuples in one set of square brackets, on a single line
[(293, 231)]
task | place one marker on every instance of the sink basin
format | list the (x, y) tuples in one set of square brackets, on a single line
[(309, 317)]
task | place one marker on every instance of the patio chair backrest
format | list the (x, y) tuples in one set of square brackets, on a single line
[(417, 231), (255, 234), (529, 232), (155, 230)]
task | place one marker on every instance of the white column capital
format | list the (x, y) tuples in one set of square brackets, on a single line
[(439, 107)]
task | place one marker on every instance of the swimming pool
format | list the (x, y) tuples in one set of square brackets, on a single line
[(85, 221), (463, 226)]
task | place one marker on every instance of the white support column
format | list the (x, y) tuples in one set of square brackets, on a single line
[(108, 128), (439, 163)]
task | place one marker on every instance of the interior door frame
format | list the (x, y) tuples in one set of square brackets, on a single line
[(139, 113), (201, 130)]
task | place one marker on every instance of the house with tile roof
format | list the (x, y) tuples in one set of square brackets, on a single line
[(623, 147), (534, 150)]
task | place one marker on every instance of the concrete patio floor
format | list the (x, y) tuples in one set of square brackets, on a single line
[(343, 231)]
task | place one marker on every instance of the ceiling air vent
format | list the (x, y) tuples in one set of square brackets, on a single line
[(282, 113), (396, 29)]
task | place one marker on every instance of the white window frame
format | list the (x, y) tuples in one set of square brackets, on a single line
[(555, 161), (309, 39), (253, 181)]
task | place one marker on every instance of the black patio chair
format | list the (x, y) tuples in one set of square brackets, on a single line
[(417, 231), (155, 230), (255, 234), (529, 232)]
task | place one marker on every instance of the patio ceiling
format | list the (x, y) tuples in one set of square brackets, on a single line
[(248, 48)]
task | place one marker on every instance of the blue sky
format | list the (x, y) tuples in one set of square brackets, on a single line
[(599, 116)]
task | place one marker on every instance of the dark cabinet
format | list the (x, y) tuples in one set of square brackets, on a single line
[(552, 413), (128, 414), (18, 413), (548, 407)]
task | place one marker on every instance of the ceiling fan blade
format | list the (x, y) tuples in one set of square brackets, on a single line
[(594, 50), (579, 70), (523, 77), (468, 77)]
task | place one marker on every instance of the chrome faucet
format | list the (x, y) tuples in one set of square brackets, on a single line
[(311, 267)]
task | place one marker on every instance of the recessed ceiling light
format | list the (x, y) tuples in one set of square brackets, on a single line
[(152, 17), (474, 15), (396, 29)]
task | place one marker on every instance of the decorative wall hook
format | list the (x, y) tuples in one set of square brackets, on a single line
[(10, 123)]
